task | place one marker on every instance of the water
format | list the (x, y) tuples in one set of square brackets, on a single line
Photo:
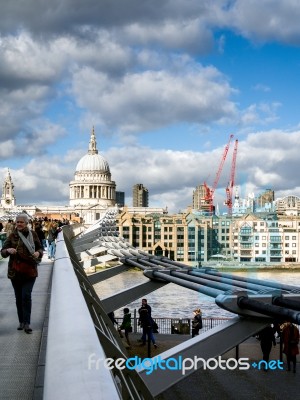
[(174, 301)]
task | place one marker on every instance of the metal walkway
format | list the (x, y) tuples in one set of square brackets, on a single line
[(22, 356)]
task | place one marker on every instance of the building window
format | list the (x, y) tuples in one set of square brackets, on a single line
[(294, 237), (287, 238), (286, 245), (294, 245)]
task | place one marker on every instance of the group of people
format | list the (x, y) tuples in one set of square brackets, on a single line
[(24, 245), (148, 325), (146, 322), (290, 339), (46, 229)]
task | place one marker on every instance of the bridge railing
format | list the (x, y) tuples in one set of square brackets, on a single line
[(79, 331), (72, 340), (168, 326)]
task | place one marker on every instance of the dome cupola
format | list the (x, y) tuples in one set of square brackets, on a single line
[(92, 161)]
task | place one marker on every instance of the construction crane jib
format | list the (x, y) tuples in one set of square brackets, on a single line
[(230, 186), (210, 192)]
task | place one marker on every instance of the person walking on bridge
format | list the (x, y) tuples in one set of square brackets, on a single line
[(126, 325), (267, 338), (290, 338), (25, 251)]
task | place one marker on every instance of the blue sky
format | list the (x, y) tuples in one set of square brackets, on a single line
[(164, 86)]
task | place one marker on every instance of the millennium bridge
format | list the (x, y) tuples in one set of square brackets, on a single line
[(76, 335)]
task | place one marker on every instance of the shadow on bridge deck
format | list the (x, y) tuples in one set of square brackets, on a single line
[(230, 384), (21, 356)]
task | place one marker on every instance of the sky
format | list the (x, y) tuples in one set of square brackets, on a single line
[(163, 83)]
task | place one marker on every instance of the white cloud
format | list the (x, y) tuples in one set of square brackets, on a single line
[(152, 99), (266, 20)]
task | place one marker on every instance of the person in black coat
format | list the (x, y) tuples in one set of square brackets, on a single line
[(266, 338), (196, 322), (146, 322)]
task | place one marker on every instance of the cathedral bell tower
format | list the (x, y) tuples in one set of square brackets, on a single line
[(8, 199)]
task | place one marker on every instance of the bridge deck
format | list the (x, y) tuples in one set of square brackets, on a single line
[(21, 355)]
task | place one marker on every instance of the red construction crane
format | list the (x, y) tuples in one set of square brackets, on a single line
[(230, 185), (209, 196)]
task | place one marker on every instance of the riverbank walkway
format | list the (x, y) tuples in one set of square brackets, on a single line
[(22, 357)]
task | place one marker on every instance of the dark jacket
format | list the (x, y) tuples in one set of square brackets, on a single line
[(22, 254), (126, 323), (145, 319), (197, 322)]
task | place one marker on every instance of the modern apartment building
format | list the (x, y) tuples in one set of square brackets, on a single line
[(271, 238), (186, 237), (193, 238)]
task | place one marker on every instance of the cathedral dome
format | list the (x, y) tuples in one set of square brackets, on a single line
[(92, 162)]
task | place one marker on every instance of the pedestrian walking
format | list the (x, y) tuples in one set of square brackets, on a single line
[(290, 338), (25, 251), (267, 338), (126, 325)]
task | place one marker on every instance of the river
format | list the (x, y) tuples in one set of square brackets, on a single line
[(174, 301)]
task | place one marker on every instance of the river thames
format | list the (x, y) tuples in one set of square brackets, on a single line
[(174, 301)]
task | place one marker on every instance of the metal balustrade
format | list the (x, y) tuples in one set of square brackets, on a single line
[(165, 324), (129, 383)]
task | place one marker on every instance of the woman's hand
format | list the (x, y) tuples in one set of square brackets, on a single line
[(36, 254), (11, 250)]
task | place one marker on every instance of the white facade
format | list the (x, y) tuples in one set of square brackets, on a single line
[(266, 240), (92, 191), (289, 205)]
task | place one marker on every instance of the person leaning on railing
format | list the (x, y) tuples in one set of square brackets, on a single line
[(25, 251)]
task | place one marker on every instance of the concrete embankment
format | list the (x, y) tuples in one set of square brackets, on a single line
[(228, 266)]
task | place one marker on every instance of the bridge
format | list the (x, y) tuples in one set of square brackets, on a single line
[(77, 335)]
